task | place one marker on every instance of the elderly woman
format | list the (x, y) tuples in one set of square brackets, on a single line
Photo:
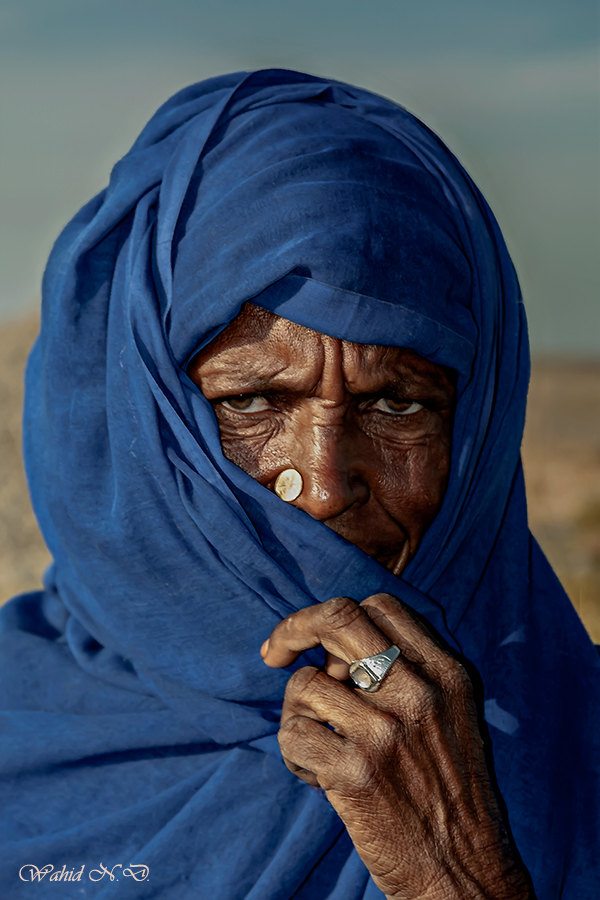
[(297, 640)]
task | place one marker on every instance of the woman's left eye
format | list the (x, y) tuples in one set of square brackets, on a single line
[(398, 407), (246, 403)]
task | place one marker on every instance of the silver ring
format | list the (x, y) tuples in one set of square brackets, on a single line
[(368, 673)]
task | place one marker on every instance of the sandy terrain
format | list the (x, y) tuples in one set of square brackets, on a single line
[(561, 452), (561, 456)]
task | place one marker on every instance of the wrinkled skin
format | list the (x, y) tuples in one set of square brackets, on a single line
[(369, 429)]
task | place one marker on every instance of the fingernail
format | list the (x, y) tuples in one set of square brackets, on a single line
[(264, 649)]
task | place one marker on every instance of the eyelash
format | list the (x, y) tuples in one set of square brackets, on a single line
[(241, 398), (397, 412), (383, 400)]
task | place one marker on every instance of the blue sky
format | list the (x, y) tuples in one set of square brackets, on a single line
[(511, 86)]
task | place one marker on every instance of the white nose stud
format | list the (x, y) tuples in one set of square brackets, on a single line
[(288, 485)]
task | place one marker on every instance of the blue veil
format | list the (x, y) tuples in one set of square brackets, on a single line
[(139, 722)]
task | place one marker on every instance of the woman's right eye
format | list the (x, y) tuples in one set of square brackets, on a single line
[(398, 407), (246, 403)]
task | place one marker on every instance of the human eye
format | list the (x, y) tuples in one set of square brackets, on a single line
[(397, 407), (246, 403)]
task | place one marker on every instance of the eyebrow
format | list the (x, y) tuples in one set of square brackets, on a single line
[(245, 382), (232, 384)]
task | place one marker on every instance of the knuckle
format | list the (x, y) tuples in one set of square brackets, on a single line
[(361, 773), (422, 699), (301, 681), (455, 677), (288, 625), (386, 733), (293, 725), (385, 611), (340, 612), (290, 731), (382, 603)]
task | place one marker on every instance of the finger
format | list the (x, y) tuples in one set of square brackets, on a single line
[(336, 667), (340, 625), (416, 640), (375, 720), (313, 694), (310, 750)]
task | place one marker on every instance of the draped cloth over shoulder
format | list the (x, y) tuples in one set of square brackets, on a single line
[(129, 735)]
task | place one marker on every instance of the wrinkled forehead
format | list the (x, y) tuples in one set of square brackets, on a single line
[(326, 220), (259, 351)]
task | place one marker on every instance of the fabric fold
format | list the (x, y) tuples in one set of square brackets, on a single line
[(139, 718)]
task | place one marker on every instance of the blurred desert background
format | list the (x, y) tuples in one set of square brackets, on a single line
[(561, 452)]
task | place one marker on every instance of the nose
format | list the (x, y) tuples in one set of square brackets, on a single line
[(326, 456)]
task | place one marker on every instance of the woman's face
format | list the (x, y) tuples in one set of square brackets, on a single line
[(368, 427)]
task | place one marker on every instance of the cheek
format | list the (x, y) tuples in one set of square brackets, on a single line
[(411, 481), (406, 479), (257, 453)]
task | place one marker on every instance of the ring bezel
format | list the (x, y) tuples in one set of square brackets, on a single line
[(375, 667)]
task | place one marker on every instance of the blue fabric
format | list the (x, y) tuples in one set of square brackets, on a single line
[(139, 721)]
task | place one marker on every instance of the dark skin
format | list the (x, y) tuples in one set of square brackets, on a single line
[(369, 429)]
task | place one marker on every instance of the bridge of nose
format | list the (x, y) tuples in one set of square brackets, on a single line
[(326, 456)]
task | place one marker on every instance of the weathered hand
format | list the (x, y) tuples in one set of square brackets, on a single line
[(404, 767)]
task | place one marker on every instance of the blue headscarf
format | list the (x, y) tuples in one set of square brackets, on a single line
[(140, 722)]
